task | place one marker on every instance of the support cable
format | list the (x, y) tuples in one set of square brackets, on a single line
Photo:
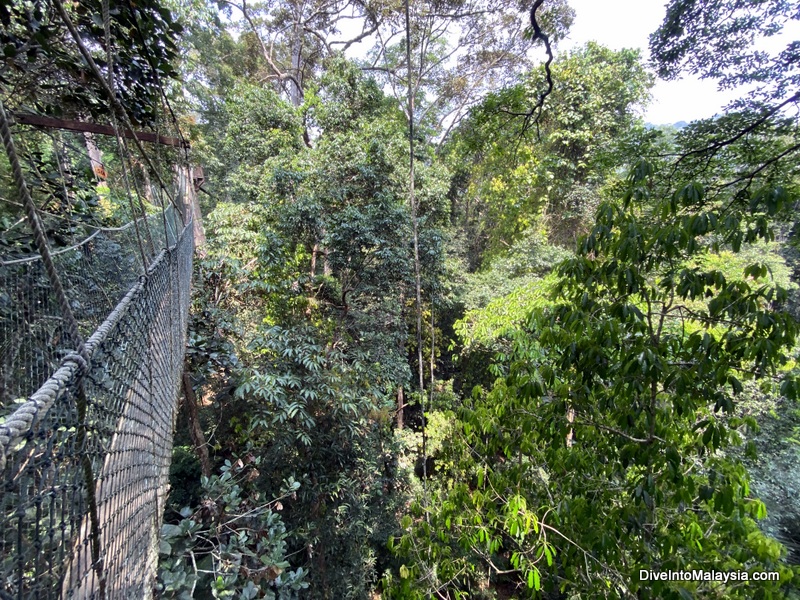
[(86, 240), (145, 262), (112, 85), (178, 177)]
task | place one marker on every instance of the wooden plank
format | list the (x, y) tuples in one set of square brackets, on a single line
[(144, 136)]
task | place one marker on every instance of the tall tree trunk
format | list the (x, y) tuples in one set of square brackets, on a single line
[(195, 430), (412, 201), (295, 93), (146, 183), (314, 252), (571, 432), (189, 181), (401, 399), (94, 157), (401, 404)]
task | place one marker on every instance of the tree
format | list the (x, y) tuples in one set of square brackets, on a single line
[(461, 51), (717, 39), (720, 39), (511, 184), (232, 545), (600, 450), (43, 69), (312, 256), (605, 445), (293, 38)]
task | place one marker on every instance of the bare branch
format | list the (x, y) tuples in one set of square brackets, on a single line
[(535, 113), (363, 35), (264, 51)]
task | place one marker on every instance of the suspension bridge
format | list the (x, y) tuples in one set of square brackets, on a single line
[(86, 441), (93, 320)]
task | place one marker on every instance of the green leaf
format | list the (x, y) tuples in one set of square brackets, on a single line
[(164, 547)]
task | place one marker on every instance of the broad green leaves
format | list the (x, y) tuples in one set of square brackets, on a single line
[(232, 545), (601, 449)]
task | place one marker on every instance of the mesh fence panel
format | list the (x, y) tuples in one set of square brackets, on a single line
[(96, 273), (84, 461)]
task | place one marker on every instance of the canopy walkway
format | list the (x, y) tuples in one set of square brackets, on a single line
[(92, 340)]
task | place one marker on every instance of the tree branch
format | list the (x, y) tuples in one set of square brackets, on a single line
[(264, 51), (535, 113), (647, 440), (712, 148)]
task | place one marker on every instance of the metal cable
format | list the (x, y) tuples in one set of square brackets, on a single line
[(97, 231), (112, 86)]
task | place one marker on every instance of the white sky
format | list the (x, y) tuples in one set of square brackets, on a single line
[(628, 24)]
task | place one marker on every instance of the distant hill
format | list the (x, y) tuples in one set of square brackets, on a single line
[(678, 125)]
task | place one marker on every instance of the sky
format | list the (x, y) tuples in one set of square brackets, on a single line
[(628, 24)]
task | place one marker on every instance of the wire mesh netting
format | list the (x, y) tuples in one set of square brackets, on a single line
[(86, 458), (105, 218), (85, 446), (96, 273)]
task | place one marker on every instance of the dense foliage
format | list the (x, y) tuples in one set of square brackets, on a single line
[(45, 72), (597, 297), (606, 429)]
